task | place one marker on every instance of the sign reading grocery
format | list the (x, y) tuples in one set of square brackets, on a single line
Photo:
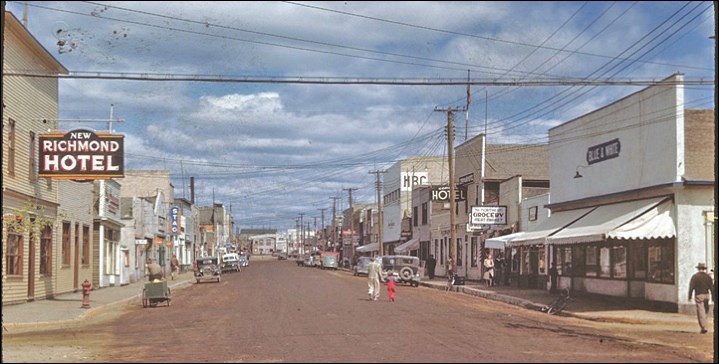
[(81, 155), (489, 215)]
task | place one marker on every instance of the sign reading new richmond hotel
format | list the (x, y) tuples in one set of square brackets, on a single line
[(81, 155)]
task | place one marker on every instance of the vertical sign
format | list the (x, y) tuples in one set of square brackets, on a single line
[(174, 220)]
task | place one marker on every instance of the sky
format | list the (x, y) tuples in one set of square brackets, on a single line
[(257, 105)]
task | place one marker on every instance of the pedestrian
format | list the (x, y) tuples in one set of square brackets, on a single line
[(489, 270), (431, 264), (154, 271), (374, 275), (450, 267), (391, 285), (174, 266), (553, 277), (700, 285)]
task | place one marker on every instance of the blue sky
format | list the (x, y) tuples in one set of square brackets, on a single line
[(274, 150)]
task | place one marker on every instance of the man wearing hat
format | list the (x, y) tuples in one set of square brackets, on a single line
[(700, 285)]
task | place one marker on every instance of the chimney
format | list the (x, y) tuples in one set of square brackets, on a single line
[(192, 190)]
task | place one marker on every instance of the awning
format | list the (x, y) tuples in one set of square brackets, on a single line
[(411, 244), (625, 217), (554, 223), (368, 248), (498, 242)]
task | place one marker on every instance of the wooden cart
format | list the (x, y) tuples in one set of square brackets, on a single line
[(155, 292)]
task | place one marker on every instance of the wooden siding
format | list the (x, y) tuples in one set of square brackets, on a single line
[(76, 201)]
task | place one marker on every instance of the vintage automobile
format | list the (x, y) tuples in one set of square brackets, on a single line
[(208, 269), (230, 262), (330, 260), (407, 269), (361, 266)]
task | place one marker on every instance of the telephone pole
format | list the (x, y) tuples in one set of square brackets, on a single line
[(378, 186), (452, 207), (334, 221), (322, 219), (352, 220)]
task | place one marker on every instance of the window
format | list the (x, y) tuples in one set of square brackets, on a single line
[(661, 261), (566, 261), (542, 259), (605, 266), (11, 148), (638, 258), (415, 216), (515, 260), (13, 256), (619, 261), (46, 251), (32, 172), (85, 245), (424, 213), (111, 252), (525, 261), (65, 243)]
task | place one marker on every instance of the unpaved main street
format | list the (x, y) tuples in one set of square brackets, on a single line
[(275, 311)]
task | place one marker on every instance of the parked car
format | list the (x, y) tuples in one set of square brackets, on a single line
[(361, 266), (307, 260), (230, 262), (330, 260), (407, 269), (208, 269)]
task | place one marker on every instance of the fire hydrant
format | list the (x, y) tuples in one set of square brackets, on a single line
[(86, 288)]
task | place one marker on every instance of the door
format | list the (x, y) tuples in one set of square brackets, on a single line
[(31, 266), (533, 273), (76, 271)]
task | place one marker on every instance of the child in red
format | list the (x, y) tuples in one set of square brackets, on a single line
[(391, 284)]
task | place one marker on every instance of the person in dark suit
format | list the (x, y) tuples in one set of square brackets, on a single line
[(700, 285), (431, 264)]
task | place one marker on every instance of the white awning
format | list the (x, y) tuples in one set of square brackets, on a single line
[(411, 244), (498, 242), (551, 225), (368, 248), (624, 220)]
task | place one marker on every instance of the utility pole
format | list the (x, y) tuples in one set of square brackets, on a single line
[(322, 218), (315, 238), (352, 225), (378, 186), (452, 203), (297, 235), (302, 233), (334, 221)]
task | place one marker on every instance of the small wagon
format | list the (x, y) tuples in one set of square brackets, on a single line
[(154, 293)]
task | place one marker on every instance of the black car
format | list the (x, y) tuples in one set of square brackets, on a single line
[(208, 269), (406, 269)]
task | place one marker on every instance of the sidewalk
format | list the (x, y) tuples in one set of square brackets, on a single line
[(67, 308), (588, 307)]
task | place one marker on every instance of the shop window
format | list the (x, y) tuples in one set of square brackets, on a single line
[(661, 261), (619, 262), (542, 259), (567, 267), (46, 251), (578, 258), (525, 261), (638, 260), (515, 260), (13, 255), (605, 265), (591, 261)]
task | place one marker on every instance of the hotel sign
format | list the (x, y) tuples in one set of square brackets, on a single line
[(81, 155)]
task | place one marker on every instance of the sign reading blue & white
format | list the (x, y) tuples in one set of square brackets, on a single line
[(174, 220), (603, 151)]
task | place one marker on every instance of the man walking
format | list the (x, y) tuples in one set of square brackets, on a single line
[(700, 285), (174, 266), (374, 275)]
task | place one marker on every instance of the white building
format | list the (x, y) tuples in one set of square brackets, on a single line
[(632, 198)]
